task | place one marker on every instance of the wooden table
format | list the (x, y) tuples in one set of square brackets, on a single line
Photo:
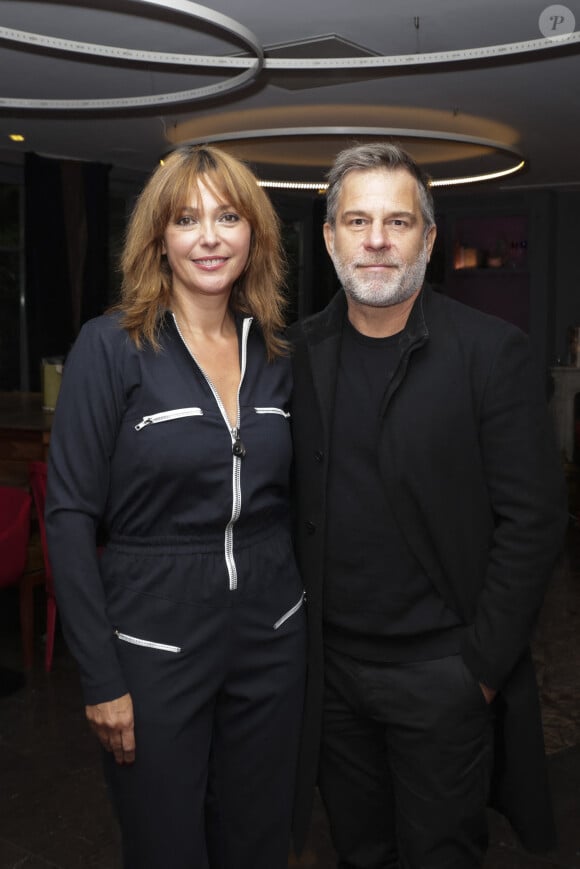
[(24, 435)]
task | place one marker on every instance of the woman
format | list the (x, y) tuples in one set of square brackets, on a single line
[(171, 433)]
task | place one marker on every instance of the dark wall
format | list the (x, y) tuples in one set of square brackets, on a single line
[(66, 251), (565, 288), (523, 290)]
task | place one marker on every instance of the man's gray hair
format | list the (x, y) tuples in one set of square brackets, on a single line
[(377, 155)]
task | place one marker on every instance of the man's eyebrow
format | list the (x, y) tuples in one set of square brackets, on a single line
[(407, 215), (410, 215), (358, 212)]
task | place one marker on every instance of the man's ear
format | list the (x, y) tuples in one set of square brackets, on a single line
[(430, 240), (328, 232)]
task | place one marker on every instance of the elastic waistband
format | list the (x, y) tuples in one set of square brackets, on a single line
[(246, 534)]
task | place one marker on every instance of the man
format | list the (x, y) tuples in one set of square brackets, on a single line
[(430, 512)]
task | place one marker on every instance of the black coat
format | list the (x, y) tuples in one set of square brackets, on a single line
[(469, 466)]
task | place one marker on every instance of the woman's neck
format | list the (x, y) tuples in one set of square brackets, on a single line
[(210, 318)]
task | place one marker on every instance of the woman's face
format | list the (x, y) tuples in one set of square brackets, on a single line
[(207, 245)]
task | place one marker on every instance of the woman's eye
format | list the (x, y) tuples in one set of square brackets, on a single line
[(230, 217), (186, 220)]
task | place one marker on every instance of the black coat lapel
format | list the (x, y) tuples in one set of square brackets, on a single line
[(324, 356)]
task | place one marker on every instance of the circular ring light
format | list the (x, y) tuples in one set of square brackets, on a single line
[(391, 132), (250, 66)]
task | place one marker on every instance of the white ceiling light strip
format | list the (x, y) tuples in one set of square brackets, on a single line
[(460, 55), (441, 182), (294, 185), (114, 52), (251, 66), (472, 179)]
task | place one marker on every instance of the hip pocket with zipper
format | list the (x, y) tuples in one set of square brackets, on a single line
[(292, 611), (148, 644)]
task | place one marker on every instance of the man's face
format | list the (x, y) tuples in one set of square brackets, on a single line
[(378, 245)]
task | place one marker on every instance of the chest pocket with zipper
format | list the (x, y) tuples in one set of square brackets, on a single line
[(168, 416), (274, 410)]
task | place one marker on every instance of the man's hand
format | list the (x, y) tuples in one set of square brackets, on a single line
[(113, 724), (488, 693)]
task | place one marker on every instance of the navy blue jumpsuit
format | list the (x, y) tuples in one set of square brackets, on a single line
[(194, 606)]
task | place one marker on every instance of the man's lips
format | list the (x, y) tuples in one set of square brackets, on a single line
[(377, 265)]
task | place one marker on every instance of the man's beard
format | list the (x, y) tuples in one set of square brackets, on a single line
[(397, 285)]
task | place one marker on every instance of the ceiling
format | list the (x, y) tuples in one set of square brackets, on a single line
[(469, 86)]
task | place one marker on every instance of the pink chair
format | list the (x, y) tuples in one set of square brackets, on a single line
[(15, 507), (37, 477), (14, 533)]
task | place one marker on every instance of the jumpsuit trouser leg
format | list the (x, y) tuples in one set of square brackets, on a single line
[(227, 707), (254, 750)]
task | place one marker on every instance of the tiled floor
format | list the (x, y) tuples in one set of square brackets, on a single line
[(54, 812)]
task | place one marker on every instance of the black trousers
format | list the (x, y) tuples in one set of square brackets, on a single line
[(405, 764)]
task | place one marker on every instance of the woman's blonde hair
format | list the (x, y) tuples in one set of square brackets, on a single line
[(147, 277)]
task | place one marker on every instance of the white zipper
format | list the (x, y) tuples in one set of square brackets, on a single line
[(238, 451), (277, 410), (290, 613), (167, 415), (148, 644), (236, 465)]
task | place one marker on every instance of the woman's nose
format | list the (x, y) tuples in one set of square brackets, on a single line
[(208, 233)]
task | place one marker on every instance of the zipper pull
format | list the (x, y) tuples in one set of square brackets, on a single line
[(238, 448)]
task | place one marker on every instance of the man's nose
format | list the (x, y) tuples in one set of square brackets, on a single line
[(378, 235)]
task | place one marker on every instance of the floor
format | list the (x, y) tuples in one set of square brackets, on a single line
[(54, 812)]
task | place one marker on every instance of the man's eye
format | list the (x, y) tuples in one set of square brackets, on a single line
[(358, 221)]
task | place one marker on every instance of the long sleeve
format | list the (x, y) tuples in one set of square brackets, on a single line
[(86, 423), (527, 496)]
